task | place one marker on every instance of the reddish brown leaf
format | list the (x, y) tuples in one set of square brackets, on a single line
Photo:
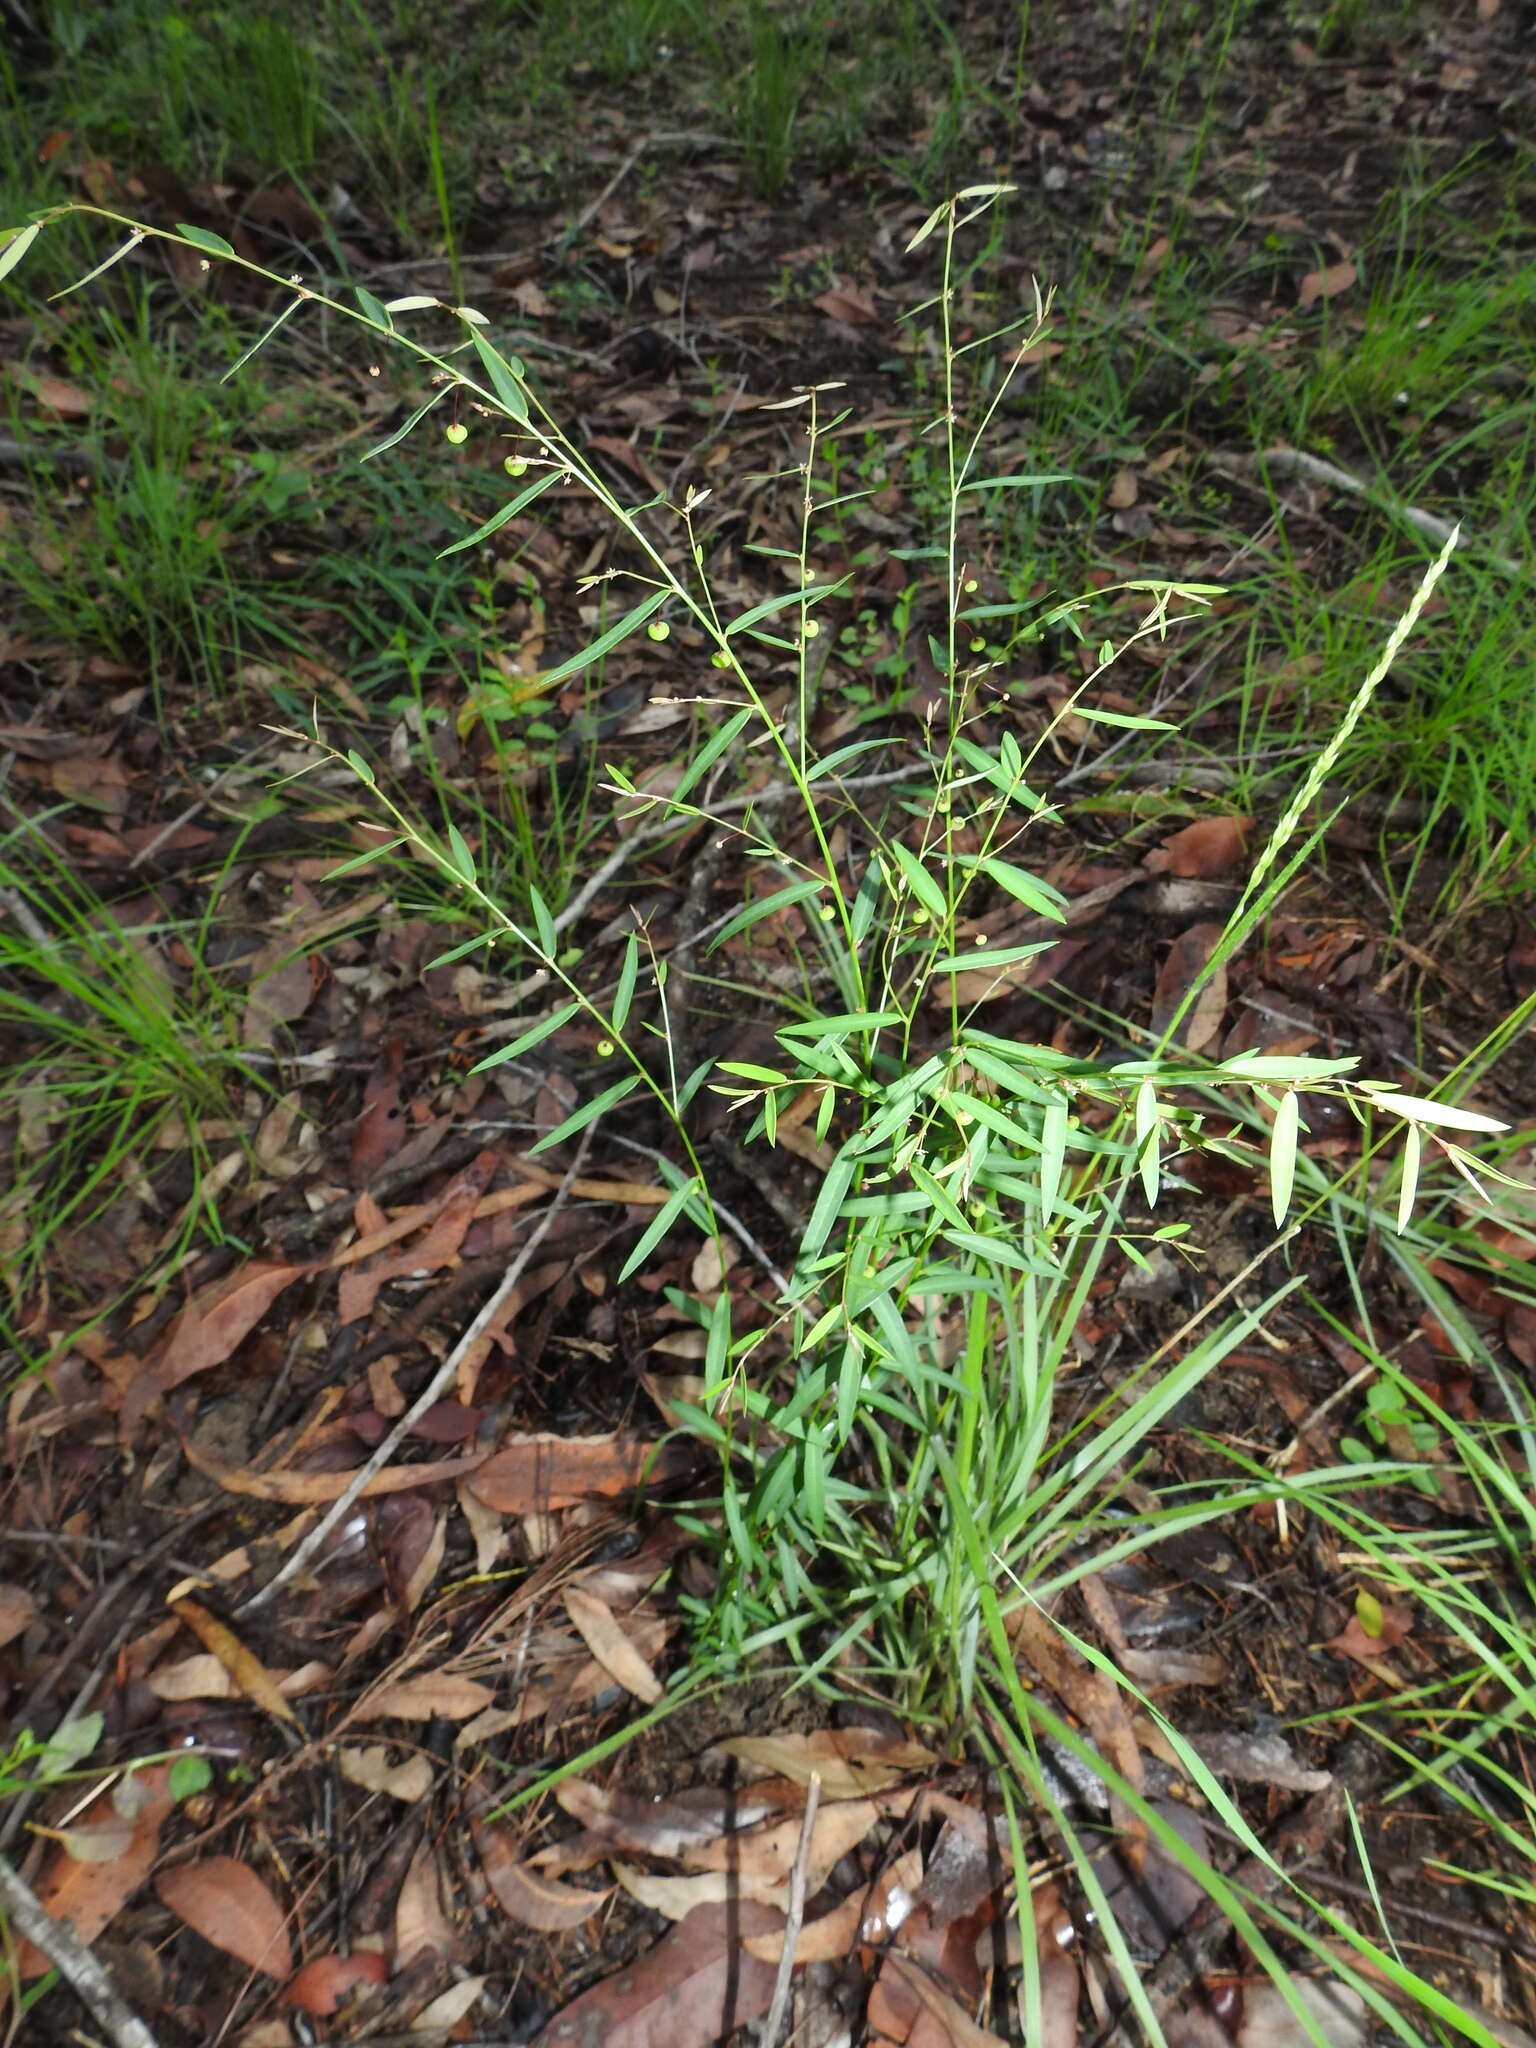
[(437, 1245), (1326, 284), (227, 1904), (90, 1895), (1352, 1640), (1520, 1332), (325, 1984), (1184, 966), (695, 1988), (850, 304), (536, 1474), (1208, 847), (380, 1129), (420, 1699), (1123, 490), (314, 1489), (957, 2024), (64, 401), (219, 1318), (525, 1895)]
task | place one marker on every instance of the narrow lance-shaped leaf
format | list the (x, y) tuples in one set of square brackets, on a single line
[(659, 1225), (781, 899), (504, 377), (508, 511), (924, 887), (1149, 1162), (1053, 1152), (587, 1114), (372, 309), (458, 852), (1420, 1109), (711, 751), (605, 642), (1413, 1154), (770, 605), (1282, 1155), (21, 240), (629, 974), (527, 1040), (393, 440), (543, 924)]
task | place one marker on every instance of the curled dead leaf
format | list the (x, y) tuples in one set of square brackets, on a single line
[(537, 1474), (526, 1895)]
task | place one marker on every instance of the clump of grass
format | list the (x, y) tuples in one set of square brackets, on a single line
[(134, 542), (900, 1487), (110, 1045)]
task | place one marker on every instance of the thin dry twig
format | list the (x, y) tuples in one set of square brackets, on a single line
[(433, 1392), (794, 1919), (68, 1954), (1297, 462)]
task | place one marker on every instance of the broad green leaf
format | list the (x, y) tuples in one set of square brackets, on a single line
[(1147, 1139), (781, 899), (659, 1225), (744, 1070), (205, 239), (188, 1776), (770, 605), (18, 242), (360, 768), (458, 852), (413, 302), (534, 1035), (504, 378), (69, 1744), (373, 310), (605, 642), (499, 519), (629, 975), (1413, 1154), (588, 1113), (923, 886), (1282, 1155), (1053, 1152)]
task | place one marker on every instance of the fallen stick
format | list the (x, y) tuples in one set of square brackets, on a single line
[(68, 1954), (1296, 462)]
